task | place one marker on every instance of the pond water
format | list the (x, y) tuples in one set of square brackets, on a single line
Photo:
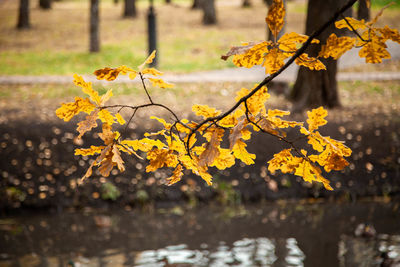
[(280, 234)]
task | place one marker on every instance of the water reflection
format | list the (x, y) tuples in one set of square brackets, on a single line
[(263, 235)]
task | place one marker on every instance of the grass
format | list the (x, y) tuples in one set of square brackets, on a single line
[(57, 43)]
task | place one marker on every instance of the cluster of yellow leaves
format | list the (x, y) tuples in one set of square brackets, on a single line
[(110, 153), (272, 54), (331, 153), (373, 39), (110, 74)]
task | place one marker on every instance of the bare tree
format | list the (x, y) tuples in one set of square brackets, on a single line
[(23, 16), (94, 45)]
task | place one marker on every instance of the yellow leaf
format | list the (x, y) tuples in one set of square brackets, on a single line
[(310, 62), (161, 158), (240, 152), (144, 144), (374, 51), (239, 50), (148, 60), (120, 119), (289, 41), (106, 117), (256, 103), (68, 110), (110, 74), (316, 118), (356, 24), (390, 34), (132, 75), (205, 111), (335, 47), (162, 121), (224, 160), (152, 71), (176, 175), (88, 124), (160, 83), (274, 60), (253, 56), (276, 16), (87, 88), (89, 151)]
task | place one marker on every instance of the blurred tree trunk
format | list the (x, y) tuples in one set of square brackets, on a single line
[(209, 12), (317, 88), (45, 4), (363, 10), (94, 45), (115, 2), (246, 3), (168, 1), (23, 16), (196, 4), (130, 9)]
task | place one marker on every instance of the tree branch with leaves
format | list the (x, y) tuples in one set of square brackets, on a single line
[(198, 145)]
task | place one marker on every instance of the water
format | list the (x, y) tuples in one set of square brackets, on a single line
[(285, 234)]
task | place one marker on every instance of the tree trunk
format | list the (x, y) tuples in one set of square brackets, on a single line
[(168, 1), (209, 12), (363, 10), (23, 16), (94, 26), (130, 9), (115, 2), (196, 4), (317, 88), (45, 4), (246, 3)]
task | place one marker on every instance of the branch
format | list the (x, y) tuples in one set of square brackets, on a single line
[(268, 79)]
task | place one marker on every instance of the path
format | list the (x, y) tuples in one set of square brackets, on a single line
[(255, 74)]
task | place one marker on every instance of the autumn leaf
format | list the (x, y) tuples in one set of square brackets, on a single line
[(335, 46), (68, 110), (239, 50), (148, 60), (310, 62), (224, 160), (110, 74), (89, 151), (356, 24), (276, 16), (236, 133), (106, 165), (240, 152), (205, 111), (88, 124), (161, 158), (160, 83), (211, 151), (274, 60), (176, 175), (120, 119), (316, 118), (116, 158), (152, 71)]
